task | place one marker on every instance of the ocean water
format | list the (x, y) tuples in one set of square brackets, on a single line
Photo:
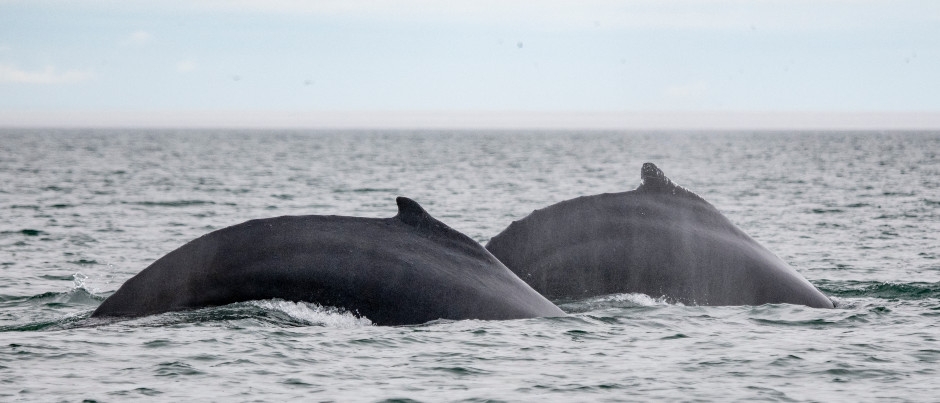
[(81, 211)]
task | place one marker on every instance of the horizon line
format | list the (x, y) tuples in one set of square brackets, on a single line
[(477, 120)]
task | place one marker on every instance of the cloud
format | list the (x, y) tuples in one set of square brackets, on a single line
[(790, 15), (691, 95), (11, 74), (137, 38), (185, 66), (687, 92)]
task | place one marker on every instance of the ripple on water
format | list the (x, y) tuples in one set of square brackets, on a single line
[(853, 212)]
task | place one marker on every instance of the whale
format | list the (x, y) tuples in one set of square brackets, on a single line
[(405, 270), (659, 239)]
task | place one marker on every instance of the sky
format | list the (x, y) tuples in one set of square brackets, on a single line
[(470, 63)]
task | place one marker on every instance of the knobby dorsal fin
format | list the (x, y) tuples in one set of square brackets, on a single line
[(654, 179), (411, 213)]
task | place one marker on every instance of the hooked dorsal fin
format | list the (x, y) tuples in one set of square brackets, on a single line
[(411, 213), (654, 179)]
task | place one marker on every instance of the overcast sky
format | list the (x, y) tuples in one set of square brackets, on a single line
[(273, 59)]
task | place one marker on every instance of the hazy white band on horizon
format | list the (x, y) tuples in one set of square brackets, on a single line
[(478, 120)]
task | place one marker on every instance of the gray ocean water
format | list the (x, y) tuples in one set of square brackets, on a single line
[(81, 211)]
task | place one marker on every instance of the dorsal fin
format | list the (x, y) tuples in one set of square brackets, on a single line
[(654, 179), (411, 213)]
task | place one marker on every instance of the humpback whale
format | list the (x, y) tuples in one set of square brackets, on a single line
[(659, 239), (407, 269)]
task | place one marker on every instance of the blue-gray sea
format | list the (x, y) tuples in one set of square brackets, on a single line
[(81, 211)]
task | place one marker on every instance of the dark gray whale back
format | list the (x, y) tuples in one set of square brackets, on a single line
[(407, 269), (660, 239)]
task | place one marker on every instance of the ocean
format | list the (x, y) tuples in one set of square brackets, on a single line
[(81, 211)]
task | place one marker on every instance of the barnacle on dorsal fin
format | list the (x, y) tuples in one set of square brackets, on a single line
[(653, 179)]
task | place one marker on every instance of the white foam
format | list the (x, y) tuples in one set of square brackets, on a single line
[(624, 300), (637, 299), (316, 314), (78, 280)]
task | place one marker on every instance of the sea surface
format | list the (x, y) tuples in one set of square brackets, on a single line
[(81, 211)]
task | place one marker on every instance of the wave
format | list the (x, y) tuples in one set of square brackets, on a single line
[(281, 313), (275, 312), (68, 322), (26, 232), (882, 290), (627, 300), (75, 296), (364, 190), (269, 313), (78, 298), (314, 314), (173, 203)]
